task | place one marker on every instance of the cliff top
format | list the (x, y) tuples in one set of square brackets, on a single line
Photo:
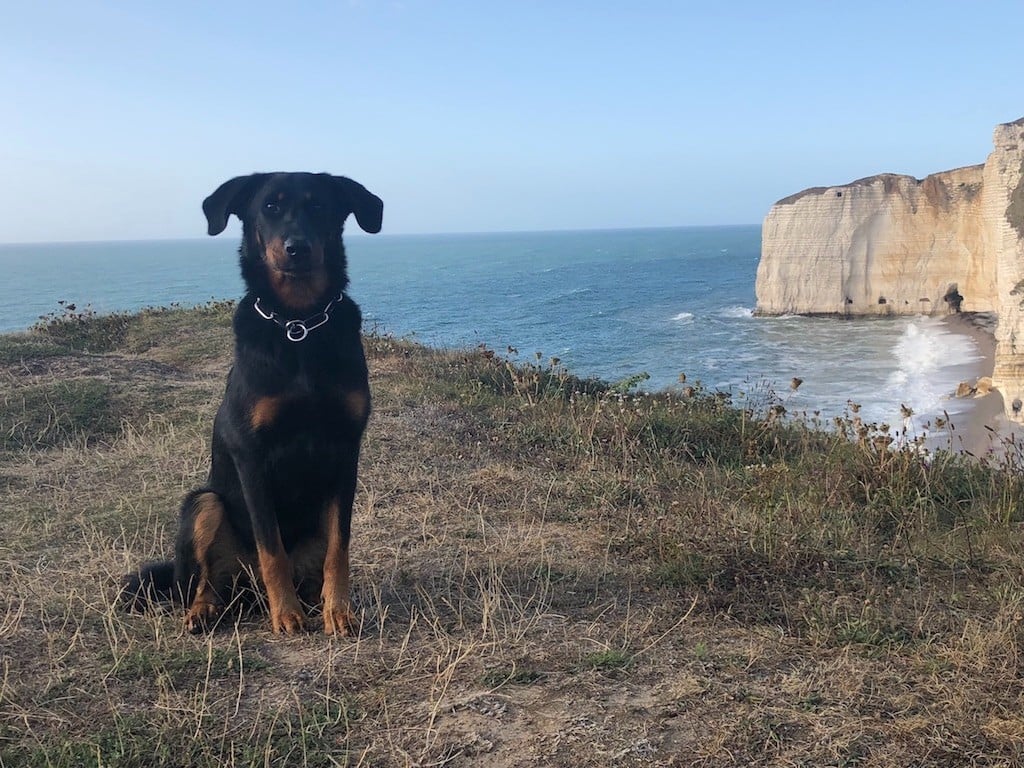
[(536, 559), (890, 180)]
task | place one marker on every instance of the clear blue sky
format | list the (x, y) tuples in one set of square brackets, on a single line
[(476, 116)]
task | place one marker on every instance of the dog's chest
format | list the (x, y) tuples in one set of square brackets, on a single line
[(310, 407)]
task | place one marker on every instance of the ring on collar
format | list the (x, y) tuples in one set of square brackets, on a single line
[(297, 330)]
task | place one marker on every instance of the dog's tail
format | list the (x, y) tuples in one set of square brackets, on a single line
[(152, 583)]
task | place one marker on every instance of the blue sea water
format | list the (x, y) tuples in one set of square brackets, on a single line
[(610, 303)]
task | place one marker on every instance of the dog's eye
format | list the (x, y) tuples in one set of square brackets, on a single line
[(272, 206)]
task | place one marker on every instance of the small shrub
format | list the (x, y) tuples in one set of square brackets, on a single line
[(84, 330)]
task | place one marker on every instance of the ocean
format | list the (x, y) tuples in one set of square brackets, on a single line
[(610, 304)]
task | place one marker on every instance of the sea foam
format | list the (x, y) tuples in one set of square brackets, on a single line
[(930, 362), (738, 312)]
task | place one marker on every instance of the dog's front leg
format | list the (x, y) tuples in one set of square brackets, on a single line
[(338, 616), (276, 570)]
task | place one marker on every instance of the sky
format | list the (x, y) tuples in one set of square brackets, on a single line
[(119, 118)]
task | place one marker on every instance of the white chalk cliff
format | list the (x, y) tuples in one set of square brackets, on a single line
[(892, 244)]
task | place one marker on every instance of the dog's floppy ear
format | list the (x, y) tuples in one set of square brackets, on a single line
[(230, 197), (368, 208)]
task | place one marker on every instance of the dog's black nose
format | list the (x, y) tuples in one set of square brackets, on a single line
[(297, 249)]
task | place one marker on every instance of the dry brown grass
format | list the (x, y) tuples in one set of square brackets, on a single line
[(549, 572)]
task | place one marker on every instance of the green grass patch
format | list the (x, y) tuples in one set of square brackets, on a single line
[(19, 347), (611, 660), (495, 678), (313, 736), (184, 663), (53, 413), (190, 334), (685, 569)]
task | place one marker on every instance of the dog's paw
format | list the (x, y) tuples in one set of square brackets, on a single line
[(289, 619), (339, 621), (201, 616)]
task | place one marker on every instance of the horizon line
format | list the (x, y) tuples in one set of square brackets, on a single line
[(357, 233)]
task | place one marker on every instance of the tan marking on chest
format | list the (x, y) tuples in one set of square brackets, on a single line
[(357, 404), (299, 292), (265, 410)]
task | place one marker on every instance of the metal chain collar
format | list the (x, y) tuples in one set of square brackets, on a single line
[(297, 330)]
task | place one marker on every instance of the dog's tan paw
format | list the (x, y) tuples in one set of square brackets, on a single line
[(340, 622), (289, 620), (201, 616)]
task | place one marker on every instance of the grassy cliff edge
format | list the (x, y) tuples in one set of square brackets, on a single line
[(550, 571)]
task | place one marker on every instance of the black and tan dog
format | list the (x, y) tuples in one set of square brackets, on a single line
[(278, 502)]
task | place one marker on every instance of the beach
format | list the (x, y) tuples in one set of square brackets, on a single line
[(986, 430)]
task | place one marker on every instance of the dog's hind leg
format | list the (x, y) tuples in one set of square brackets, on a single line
[(208, 558)]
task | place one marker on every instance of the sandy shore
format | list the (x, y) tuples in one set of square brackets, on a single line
[(986, 427)]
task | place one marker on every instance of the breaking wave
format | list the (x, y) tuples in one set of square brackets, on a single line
[(736, 311)]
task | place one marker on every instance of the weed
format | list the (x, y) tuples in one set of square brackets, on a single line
[(701, 652), (606, 661)]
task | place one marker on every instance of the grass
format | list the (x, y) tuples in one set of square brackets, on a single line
[(550, 571)]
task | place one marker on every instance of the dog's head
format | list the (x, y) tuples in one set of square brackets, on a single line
[(291, 231)]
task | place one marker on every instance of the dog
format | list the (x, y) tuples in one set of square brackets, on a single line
[(286, 438)]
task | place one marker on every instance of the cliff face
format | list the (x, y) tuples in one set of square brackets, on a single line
[(883, 245), (892, 244), (1003, 216)]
